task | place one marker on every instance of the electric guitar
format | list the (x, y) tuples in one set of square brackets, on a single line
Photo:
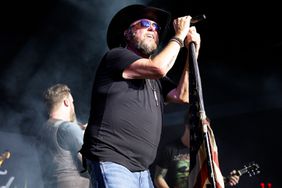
[(252, 169)]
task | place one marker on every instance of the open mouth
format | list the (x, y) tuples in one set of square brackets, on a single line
[(150, 36)]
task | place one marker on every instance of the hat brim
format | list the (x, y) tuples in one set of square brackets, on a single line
[(122, 20)]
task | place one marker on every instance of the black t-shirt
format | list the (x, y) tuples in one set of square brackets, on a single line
[(175, 158), (125, 122)]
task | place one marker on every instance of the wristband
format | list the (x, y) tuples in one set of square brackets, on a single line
[(178, 41)]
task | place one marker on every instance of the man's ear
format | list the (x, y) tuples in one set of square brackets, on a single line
[(66, 102)]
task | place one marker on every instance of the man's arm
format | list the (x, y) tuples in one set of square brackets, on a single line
[(181, 93), (159, 178)]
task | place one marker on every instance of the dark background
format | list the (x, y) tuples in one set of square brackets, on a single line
[(46, 42)]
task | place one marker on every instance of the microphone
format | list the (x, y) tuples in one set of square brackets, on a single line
[(198, 18)]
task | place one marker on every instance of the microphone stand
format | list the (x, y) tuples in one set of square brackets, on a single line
[(198, 117)]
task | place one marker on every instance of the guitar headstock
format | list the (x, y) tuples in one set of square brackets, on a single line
[(4, 156), (252, 169)]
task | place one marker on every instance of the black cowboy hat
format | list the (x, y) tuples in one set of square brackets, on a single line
[(122, 20)]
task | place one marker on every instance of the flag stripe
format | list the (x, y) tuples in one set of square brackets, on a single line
[(217, 173)]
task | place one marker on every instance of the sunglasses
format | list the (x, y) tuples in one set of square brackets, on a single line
[(147, 24)]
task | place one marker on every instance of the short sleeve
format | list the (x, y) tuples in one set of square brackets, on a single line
[(119, 58), (70, 136)]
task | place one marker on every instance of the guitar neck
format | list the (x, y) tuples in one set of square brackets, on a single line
[(241, 171)]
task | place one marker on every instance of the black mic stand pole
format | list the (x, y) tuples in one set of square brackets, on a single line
[(201, 114)]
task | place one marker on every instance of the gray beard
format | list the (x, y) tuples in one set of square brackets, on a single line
[(144, 48)]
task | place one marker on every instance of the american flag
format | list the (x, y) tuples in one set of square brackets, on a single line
[(199, 167)]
